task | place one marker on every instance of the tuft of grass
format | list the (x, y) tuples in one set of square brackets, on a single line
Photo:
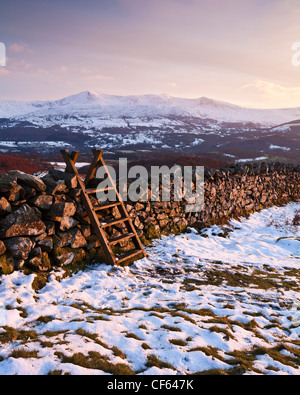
[(96, 361), (178, 342), (217, 329), (40, 281), (23, 353), (45, 319), (118, 353), (13, 335), (154, 361), (145, 346), (55, 373), (296, 219), (94, 337), (54, 333), (131, 335), (171, 328)]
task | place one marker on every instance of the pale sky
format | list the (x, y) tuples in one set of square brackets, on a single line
[(238, 51)]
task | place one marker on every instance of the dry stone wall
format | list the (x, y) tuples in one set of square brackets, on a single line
[(43, 223)]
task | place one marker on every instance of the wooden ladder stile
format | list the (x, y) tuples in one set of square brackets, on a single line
[(98, 227)]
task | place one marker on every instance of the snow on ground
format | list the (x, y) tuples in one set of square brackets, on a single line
[(251, 160), (272, 146), (224, 301)]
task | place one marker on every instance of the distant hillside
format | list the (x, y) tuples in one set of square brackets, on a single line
[(30, 164), (126, 126)]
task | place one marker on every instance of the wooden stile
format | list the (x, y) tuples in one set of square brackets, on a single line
[(97, 225)]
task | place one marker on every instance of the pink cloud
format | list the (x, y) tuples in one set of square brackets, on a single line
[(18, 48)]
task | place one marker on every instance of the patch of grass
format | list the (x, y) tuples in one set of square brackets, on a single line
[(96, 318), (182, 315), (171, 328), (143, 327), (296, 219), (54, 333), (226, 332), (55, 373), (13, 335), (154, 314), (229, 306), (47, 344), (45, 319), (154, 361), (238, 279), (243, 361), (200, 312), (145, 346), (24, 313), (94, 337), (213, 372), (118, 353), (275, 353), (96, 361), (40, 281), (131, 335), (78, 307), (178, 342), (23, 353), (208, 351)]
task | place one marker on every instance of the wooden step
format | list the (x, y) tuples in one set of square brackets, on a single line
[(107, 206), (113, 222), (121, 238), (128, 255), (91, 191)]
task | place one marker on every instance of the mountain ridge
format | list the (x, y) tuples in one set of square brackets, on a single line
[(90, 103)]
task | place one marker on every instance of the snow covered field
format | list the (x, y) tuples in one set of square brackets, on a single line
[(225, 301)]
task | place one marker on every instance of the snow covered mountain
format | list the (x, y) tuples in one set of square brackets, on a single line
[(102, 109), (153, 123)]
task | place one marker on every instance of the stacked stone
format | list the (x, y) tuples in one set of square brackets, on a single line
[(43, 222)]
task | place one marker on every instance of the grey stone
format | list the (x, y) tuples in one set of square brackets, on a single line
[(46, 244), (60, 210), (69, 180), (23, 222), (43, 202), (54, 187), (7, 183), (19, 247), (28, 180)]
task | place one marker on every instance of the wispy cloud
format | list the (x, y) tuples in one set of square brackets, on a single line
[(270, 88), (275, 92), (19, 48), (94, 74), (4, 71)]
